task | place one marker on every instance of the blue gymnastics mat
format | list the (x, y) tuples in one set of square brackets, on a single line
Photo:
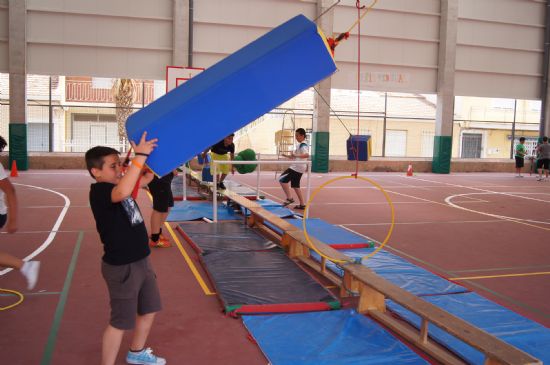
[(342, 337), (326, 232), (495, 319), (400, 272), (232, 93), (193, 210)]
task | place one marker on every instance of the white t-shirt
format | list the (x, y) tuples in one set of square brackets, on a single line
[(302, 149), (3, 175)]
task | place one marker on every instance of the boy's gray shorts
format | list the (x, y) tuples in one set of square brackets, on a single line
[(132, 290)]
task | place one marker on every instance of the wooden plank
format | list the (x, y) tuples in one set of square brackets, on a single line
[(488, 344), (412, 336)]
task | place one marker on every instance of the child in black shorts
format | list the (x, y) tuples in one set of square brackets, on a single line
[(131, 281), (163, 200)]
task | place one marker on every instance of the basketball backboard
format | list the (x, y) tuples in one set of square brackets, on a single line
[(177, 75)]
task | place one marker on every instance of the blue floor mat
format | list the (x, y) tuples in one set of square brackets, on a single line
[(326, 232), (495, 319), (342, 337), (193, 210), (400, 272)]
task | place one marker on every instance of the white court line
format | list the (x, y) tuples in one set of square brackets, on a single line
[(483, 190), (413, 223), (53, 232), (449, 198)]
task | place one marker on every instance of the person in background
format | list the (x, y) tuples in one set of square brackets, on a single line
[(8, 214), (520, 156), (293, 174), (224, 150)]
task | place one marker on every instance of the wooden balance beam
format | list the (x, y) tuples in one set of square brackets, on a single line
[(373, 290)]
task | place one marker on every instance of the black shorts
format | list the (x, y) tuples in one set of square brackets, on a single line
[(3, 219), (161, 190), (543, 162), (519, 161), (292, 176), (132, 290)]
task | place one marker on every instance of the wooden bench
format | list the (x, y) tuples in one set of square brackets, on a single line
[(373, 290)]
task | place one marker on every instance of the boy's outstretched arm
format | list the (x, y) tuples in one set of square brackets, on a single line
[(126, 185), (11, 202)]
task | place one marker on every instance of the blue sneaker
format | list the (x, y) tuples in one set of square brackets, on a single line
[(144, 357)]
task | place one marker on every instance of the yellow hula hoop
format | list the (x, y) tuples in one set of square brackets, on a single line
[(375, 184), (19, 301)]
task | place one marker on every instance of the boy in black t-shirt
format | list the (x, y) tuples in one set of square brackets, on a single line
[(133, 291)]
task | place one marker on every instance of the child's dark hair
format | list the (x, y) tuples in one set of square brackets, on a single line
[(94, 157), (301, 131), (3, 143), (522, 139), (545, 139)]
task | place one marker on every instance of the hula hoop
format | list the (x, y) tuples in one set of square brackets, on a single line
[(373, 183), (14, 304)]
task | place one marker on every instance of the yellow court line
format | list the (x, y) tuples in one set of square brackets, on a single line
[(501, 276), (188, 260)]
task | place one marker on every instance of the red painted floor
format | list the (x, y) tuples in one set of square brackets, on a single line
[(493, 241)]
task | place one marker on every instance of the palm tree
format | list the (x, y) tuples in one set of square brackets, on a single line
[(124, 96)]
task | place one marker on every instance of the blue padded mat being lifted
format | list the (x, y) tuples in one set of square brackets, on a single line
[(400, 272), (223, 236), (342, 337), (326, 232), (495, 319), (193, 210)]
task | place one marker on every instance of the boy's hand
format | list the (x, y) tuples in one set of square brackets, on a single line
[(144, 146)]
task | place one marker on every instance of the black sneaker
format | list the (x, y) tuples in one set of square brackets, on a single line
[(221, 186)]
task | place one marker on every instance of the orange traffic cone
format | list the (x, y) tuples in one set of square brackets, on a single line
[(14, 172), (410, 170)]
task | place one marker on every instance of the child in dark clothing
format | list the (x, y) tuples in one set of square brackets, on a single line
[(131, 281)]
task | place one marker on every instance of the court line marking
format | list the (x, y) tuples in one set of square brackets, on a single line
[(189, 262), (426, 222), (53, 231), (501, 276), (449, 199), (60, 309), (186, 257), (532, 267)]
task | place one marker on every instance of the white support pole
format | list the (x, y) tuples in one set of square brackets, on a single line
[(214, 190), (308, 191), (258, 170)]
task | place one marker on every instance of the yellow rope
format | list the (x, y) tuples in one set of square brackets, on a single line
[(19, 301), (361, 17), (342, 178)]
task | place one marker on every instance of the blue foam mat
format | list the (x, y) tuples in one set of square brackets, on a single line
[(325, 232), (400, 272), (193, 210), (495, 319), (342, 337), (235, 91)]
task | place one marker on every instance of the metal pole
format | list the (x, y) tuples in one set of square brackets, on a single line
[(513, 130), (258, 170), (308, 170), (50, 120), (545, 72), (384, 132), (214, 191)]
